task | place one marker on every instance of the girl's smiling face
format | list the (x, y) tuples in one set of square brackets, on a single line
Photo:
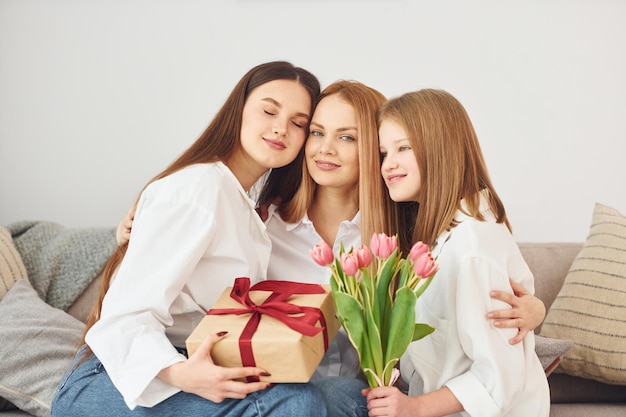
[(399, 166)]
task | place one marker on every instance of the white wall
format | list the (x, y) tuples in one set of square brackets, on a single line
[(98, 96)]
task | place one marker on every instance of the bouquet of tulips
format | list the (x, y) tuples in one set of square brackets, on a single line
[(375, 291)]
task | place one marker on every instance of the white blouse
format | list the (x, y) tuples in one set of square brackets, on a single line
[(194, 232), (466, 353), (291, 260)]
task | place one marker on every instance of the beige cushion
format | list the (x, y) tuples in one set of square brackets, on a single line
[(11, 266), (11, 270), (590, 308)]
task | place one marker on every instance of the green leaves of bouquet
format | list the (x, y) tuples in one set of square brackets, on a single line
[(375, 291)]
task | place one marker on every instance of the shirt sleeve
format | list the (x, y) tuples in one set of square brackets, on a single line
[(169, 237), (496, 375)]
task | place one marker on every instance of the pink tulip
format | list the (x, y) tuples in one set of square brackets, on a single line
[(349, 263), (382, 245), (418, 249), (364, 256), (322, 254), (425, 265)]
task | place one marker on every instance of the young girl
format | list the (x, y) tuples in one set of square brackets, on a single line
[(433, 165), (195, 230)]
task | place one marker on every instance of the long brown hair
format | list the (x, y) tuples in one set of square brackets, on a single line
[(376, 208), (217, 142), (450, 162)]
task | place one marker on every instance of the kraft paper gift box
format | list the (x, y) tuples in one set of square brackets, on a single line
[(282, 327)]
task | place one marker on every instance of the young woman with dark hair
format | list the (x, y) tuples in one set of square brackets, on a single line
[(195, 230)]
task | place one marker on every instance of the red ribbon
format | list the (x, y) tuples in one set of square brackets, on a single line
[(276, 306)]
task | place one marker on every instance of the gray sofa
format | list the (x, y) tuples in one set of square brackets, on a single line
[(571, 396)]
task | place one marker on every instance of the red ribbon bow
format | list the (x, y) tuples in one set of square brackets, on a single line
[(276, 306)]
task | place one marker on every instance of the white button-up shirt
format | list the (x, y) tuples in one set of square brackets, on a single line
[(291, 260), (466, 352), (194, 232)]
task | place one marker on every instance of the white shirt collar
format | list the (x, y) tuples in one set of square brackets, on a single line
[(273, 211)]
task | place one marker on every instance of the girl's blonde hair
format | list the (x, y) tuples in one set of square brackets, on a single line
[(450, 162), (376, 208)]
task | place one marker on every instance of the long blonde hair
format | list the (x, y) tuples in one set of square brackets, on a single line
[(376, 208), (450, 161)]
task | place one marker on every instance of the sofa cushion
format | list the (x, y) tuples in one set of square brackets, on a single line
[(550, 351), (38, 345), (62, 261), (590, 308), (11, 265)]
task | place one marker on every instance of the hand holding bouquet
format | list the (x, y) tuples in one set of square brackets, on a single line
[(375, 291)]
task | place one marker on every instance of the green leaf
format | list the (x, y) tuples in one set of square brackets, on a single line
[(424, 285), (366, 286), (404, 275), (350, 315), (372, 378), (376, 349), (382, 307), (386, 377), (341, 276), (401, 324), (386, 274), (421, 330), (373, 353)]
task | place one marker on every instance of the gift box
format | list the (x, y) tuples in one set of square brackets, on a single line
[(282, 327)]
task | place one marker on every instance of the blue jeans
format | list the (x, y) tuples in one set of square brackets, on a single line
[(343, 396), (87, 390)]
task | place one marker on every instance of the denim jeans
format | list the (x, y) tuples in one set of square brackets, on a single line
[(87, 390), (343, 396)]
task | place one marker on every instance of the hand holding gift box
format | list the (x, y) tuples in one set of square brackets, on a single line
[(281, 326)]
